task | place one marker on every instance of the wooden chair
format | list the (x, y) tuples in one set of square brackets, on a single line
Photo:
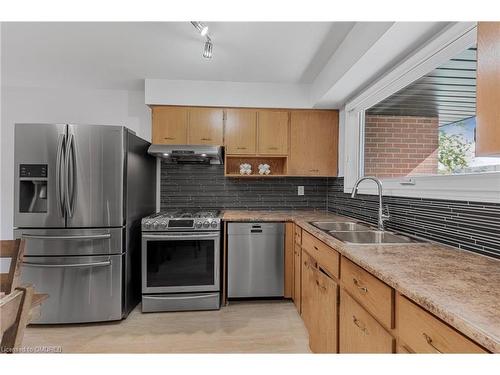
[(15, 315), (18, 304), (13, 251)]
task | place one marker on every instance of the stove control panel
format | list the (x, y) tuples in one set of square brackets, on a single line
[(156, 224)]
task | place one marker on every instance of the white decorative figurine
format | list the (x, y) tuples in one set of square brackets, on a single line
[(245, 169), (264, 169)]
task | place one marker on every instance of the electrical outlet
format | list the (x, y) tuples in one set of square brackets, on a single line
[(300, 190)]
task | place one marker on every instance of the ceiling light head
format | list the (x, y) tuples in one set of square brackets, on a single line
[(202, 28), (207, 50)]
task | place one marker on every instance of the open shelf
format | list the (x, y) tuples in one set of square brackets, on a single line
[(278, 165)]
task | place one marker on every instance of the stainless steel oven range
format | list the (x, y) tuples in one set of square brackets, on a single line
[(181, 261)]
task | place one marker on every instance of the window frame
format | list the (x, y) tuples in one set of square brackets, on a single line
[(481, 187)]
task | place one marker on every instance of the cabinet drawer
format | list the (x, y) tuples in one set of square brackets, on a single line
[(424, 333), (373, 294), (327, 258), (359, 331), (298, 234)]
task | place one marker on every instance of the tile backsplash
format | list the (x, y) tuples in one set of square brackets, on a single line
[(470, 226), (201, 186)]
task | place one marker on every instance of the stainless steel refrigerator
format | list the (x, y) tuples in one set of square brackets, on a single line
[(80, 192)]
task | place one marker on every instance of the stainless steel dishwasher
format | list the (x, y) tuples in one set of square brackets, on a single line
[(255, 259)]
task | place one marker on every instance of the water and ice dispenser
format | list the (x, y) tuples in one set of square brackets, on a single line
[(33, 188)]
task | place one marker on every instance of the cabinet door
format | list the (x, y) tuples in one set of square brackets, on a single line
[(289, 259), (297, 293), (241, 131), (308, 290), (205, 126), (323, 334), (313, 143), (170, 125), (359, 331), (488, 89), (272, 129)]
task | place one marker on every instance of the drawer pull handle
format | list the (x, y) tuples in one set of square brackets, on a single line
[(241, 148), (170, 138), (316, 248), (360, 325), (206, 139), (361, 288), (272, 148), (428, 339)]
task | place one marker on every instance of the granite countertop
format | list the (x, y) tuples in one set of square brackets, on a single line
[(459, 287)]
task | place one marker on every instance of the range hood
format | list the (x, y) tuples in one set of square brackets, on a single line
[(188, 154)]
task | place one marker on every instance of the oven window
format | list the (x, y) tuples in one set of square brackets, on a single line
[(180, 263)]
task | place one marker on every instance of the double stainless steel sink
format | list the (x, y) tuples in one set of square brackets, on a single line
[(358, 233)]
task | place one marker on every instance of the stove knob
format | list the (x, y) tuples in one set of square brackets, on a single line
[(198, 224), (156, 226), (164, 225), (214, 224), (206, 224)]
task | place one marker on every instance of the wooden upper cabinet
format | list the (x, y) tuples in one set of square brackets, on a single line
[(241, 131), (272, 130), (313, 143), (206, 126), (488, 89), (170, 125)]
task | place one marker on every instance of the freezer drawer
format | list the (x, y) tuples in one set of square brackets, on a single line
[(63, 242), (255, 260), (80, 289)]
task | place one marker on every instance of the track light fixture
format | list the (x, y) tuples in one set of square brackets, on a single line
[(207, 50), (203, 30)]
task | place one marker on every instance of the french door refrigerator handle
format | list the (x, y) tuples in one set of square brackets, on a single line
[(60, 177), (69, 265), (69, 165)]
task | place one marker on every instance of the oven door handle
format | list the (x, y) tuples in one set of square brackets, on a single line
[(185, 236)]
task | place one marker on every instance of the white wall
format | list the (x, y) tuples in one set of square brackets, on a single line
[(227, 94), (62, 105)]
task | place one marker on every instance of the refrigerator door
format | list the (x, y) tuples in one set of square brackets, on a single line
[(95, 166), (81, 289), (38, 175), (70, 242)]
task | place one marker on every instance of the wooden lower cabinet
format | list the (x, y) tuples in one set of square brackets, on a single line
[(423, 333), (307, 290), (359, 332), (319, 306), (289, 259), (369, 317), (297, 293), (323, 336)]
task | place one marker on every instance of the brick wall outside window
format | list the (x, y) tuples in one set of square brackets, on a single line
[(397, 146)]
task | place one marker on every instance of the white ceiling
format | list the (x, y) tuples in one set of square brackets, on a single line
[(121, 55)]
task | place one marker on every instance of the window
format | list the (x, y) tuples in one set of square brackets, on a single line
[(414, 128), (428, 127)]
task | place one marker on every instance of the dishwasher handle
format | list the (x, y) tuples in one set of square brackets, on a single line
[(255, 230)]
